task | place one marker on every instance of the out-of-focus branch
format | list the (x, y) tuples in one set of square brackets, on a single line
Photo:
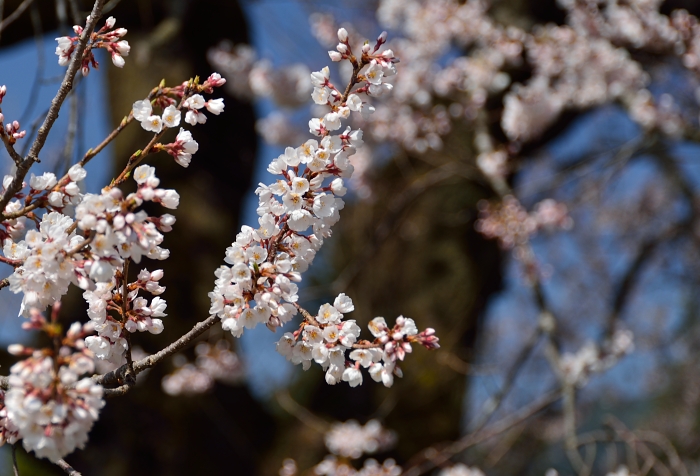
[(66, 86), (635, 442), (291, 406), (15, 15), (432, 458), (15, 467), (394, 212), (494, 402)]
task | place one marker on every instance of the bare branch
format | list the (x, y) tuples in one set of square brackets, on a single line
[(116, 377), (61, 463), (15, 15), (432, 458), (56, 103)]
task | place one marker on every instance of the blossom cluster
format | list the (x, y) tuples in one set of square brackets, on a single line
[(509, 222), (48, 406), (349, 441), (171, 116), (107, 37), (589, 359), (213, 363), (265, 263), (352, 440), (325, 339), (461, 470)]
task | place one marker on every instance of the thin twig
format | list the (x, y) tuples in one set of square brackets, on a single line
[(15, 466), (115, 378), (302, 413), (66, 86), (41, 62), (432, 458), (14, 15), (61, 463), (494, 403)]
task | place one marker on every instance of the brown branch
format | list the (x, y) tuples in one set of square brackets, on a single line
[(61, 463), (116, 377), (56, 103), (15, 15), (4, 283)]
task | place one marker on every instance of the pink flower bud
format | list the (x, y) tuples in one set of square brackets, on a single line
[(343, 35), (215, 80), (109, 24), (335, 56), (382, 37), (118, 60)]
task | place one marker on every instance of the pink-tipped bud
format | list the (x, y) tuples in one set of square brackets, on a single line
[(85, 70), (77, 29), (119, 32), (382, 38), (3, 91), (335, 56), (109, 24), (343, 35), (215, 80), (342, 47), (118, 60)]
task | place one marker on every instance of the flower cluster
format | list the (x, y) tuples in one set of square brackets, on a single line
[(47, 405), (461, 470), (251, 77), (107, 37), (509, 223), (352, 440), (214, 363), (171, 116), (45, 262), (589, 359), (265, 263), (349, 441)]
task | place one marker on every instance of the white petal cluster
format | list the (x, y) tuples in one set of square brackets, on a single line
[(213, 363), (52, 413), (461, 470), (296, 214), (107, 37), (143, 112), (577, 367), (46, 271), (352, 440)]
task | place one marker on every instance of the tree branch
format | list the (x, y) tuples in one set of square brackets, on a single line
[(15, 15), (56, 103), (116, 377), (61, 463)]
